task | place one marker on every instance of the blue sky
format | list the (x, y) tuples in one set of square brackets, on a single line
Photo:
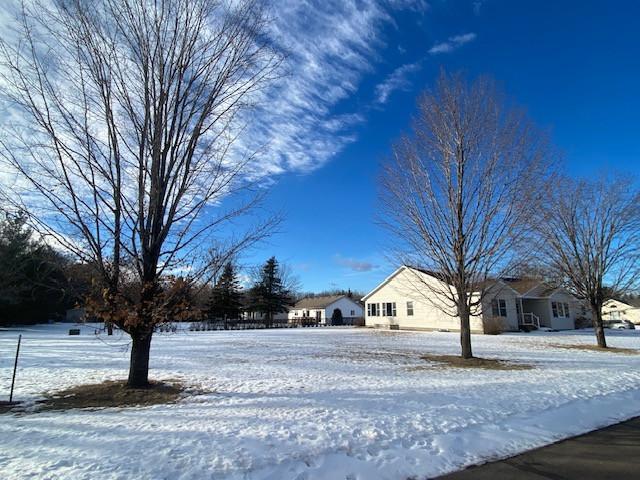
[(355, 69), (575, 66)]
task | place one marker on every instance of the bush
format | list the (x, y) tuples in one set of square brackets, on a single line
[(494, 325), (583, 322)]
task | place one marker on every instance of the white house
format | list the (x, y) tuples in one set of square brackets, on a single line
[(323, 309), (617, 310), (404, 300)]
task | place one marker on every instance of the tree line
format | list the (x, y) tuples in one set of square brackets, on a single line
[(38, 283)]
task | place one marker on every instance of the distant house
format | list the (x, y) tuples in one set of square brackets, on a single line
[(405, 301), (325, 307), (617, 310)]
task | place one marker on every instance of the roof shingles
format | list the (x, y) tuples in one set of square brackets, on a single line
[(317, 302)]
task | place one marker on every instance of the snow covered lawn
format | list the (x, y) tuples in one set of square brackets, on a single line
[(309, 403)]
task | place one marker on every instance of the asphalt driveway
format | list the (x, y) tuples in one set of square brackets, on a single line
[(610, 453)]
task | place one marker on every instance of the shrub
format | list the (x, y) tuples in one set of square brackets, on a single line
[(494, 325), (583, 322)]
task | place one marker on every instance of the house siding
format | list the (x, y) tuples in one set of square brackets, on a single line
[(510, 297), (411, 285), (344, 304), (574, 311), (432, 312), (620, 310)]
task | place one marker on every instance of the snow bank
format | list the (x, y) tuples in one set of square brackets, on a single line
[(309, 403)]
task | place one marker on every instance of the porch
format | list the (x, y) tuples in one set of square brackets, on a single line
[(533, 312)]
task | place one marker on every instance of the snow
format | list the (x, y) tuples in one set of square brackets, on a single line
[(308, 404)]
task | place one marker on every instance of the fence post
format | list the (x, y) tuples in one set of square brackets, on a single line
[(15, 366)]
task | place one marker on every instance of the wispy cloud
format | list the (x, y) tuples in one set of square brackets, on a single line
[(354, 264), (397, 80), (452, 43), (331, 46)]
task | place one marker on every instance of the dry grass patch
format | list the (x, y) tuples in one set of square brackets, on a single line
[(357, 355), (113, 394), (483, 363), (6, 406), (596, 348)]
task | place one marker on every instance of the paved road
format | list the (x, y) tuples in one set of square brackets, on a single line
[(611, 453)]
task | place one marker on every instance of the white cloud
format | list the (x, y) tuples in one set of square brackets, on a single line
[(397, 80), (331, 45), (452, 43)]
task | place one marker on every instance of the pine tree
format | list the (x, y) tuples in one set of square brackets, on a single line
[(270, 295), (33, 285), (225, 300)]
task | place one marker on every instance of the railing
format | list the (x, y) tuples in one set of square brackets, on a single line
[(530, 319)]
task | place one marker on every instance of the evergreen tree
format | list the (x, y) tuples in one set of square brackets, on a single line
[(270, 295), (33, 284), (225, 300)]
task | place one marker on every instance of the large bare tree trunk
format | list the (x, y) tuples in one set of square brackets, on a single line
[(139, 362), (465, 329), (598, 327)]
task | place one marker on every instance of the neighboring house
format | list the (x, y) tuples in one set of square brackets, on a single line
[(617, 310), (323, 308), (405, 301)]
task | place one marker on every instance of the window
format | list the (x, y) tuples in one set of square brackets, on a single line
[(373, 309), (353, 313), (409, 309), (389, 309), (560, 310), (499, 307)]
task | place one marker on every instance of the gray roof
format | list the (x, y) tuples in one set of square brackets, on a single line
[(319, 302)]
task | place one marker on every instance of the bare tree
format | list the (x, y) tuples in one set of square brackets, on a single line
[(127, 115), (589, 235), (458, 189)]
